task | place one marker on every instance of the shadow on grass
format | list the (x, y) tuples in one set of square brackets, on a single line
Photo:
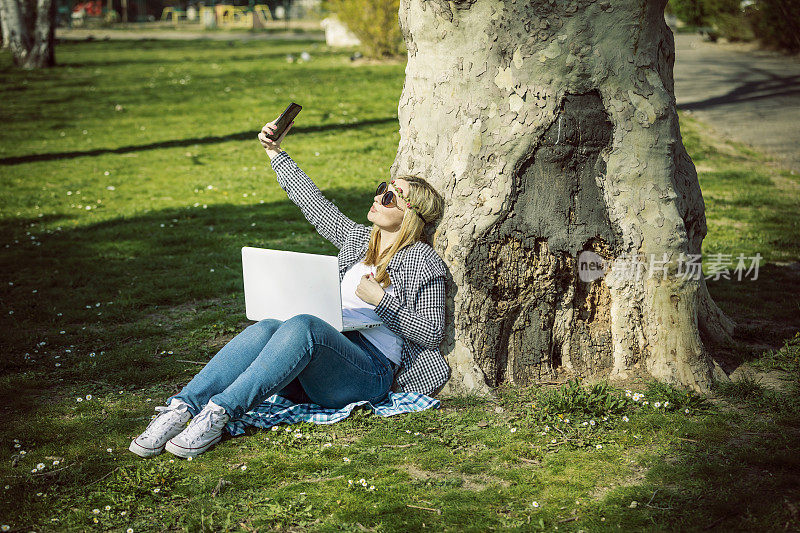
[(191, 46), (243, 136), (174, 277), (723, 478), (766, 310)]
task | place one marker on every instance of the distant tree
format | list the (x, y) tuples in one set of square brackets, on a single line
[(776, 23), (704, 12), (29, 27), (374, 22)]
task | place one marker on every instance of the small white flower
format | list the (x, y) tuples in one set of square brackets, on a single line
[(346, 459), (88, 396), (5, 527), (40, 466), (189, 458), (106, 173), (34, 471), (592, 422), (553, 441), (362, 481), (23, 452), (534, 504), (298, 435), (645, 402), (350, 482), (598, 446), (129, 530), (79, 400), (624, 418), (56, 462), (513, 430), (244, 467), (566, 420), (327, 445), (96, 511), (657, 405), (109, 450), (585, 423), (156, 490), (274, 428), (18, 445), (372, 487), (123, 513), (686, 411), (107, 507), (666, 404)]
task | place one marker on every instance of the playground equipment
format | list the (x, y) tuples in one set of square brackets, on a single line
[(223, 16)]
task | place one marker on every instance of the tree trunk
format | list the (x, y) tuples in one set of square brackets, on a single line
[(4, 27), (551, 129), (31, 32)]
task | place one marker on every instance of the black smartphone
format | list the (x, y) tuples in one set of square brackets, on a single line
[(284, 120)]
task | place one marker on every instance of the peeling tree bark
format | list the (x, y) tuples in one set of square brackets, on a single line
[(551, 128), (29, 33)]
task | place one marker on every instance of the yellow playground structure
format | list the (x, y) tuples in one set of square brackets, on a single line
[(222, 15)]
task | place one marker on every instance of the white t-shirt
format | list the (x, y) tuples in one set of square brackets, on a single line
[(354, 307)]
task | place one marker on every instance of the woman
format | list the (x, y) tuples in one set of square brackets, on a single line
[(386, 272)]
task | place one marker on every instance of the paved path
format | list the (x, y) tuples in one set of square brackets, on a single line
[(747, 95)]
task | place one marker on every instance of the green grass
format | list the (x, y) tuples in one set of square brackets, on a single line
[(109, 301)]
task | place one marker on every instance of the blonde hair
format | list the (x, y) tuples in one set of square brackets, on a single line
[(428, 207)]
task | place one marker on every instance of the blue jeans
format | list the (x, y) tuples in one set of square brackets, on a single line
[(304, 359)]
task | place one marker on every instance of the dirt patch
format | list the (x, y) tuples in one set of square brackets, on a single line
[(170, 314), (473, 483), (777, 380)]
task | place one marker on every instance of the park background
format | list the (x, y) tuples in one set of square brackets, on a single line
[(132, 178)]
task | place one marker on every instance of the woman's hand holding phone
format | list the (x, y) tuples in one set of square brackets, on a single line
[(272, 148)]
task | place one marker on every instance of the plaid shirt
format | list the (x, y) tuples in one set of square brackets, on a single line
[(415, 313)]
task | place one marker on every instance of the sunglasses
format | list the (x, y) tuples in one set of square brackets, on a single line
[(389, 198)]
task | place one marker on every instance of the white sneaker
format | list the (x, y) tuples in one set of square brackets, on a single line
[(169, 423), (204, 432)]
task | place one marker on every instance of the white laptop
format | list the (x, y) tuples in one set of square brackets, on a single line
[(280, 285)]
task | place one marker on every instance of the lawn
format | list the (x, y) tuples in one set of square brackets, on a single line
[(132, 178)]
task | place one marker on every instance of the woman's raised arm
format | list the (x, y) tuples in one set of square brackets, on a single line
[(318, 210)]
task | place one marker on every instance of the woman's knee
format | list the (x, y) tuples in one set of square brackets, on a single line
[(304, 324), (264, 328)]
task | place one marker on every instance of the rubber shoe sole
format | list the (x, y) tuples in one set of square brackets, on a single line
[(142, 451), (181, 451)]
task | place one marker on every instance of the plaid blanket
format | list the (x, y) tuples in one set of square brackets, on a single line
[(278, 410)]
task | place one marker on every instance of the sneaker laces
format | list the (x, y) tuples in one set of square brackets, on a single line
[(211, 418), (162, 421)]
